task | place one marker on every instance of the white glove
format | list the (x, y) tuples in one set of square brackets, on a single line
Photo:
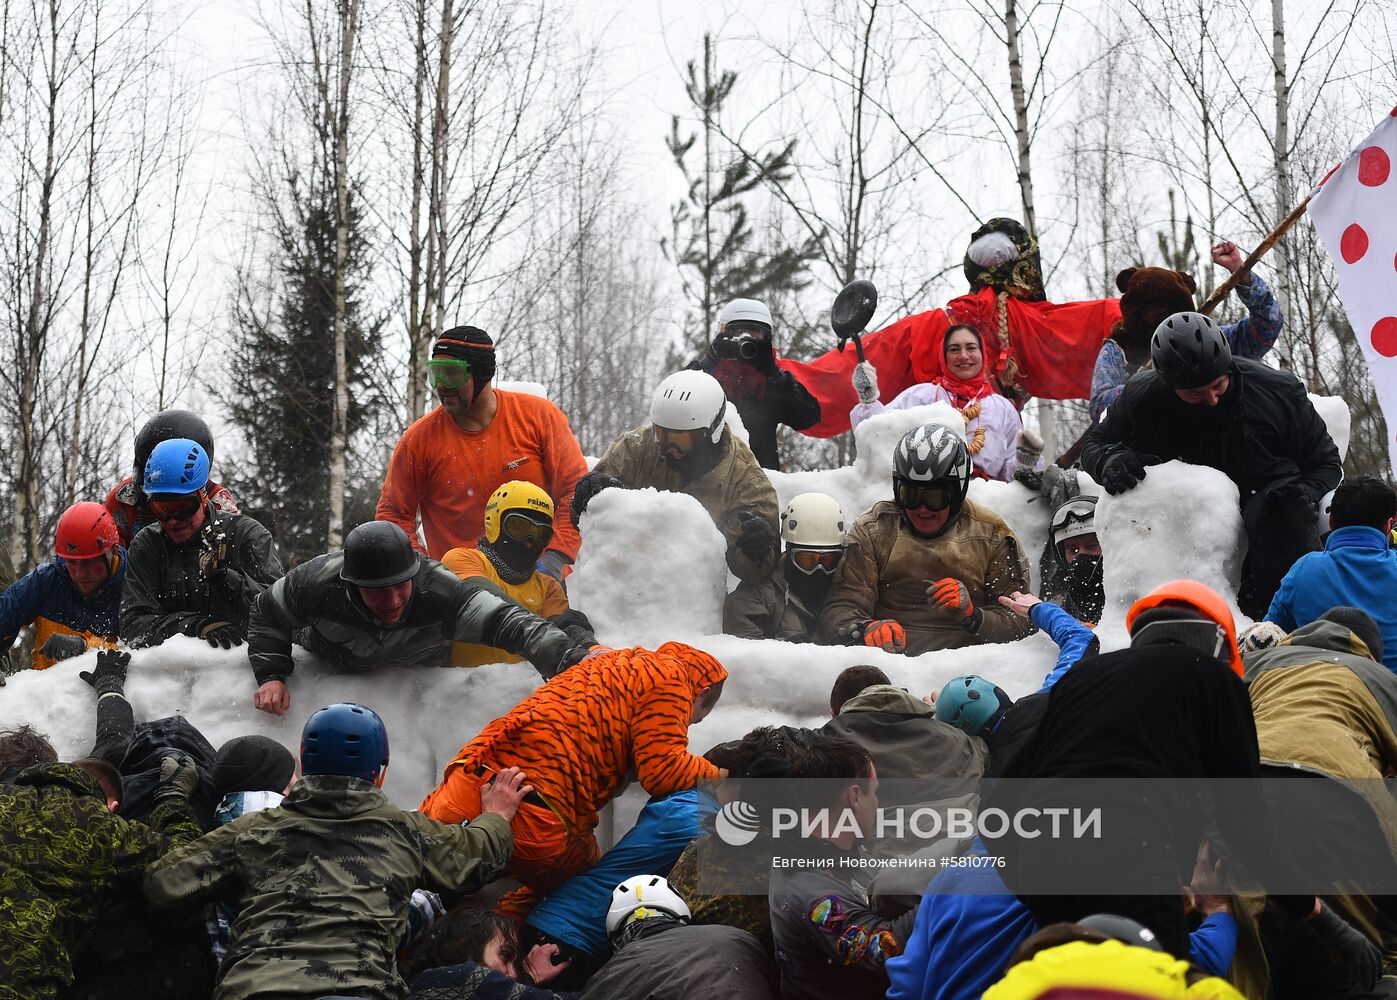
[(1030, 448), (866, 382)]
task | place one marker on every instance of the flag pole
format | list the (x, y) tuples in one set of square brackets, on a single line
[(1261, 250), (1069, 458)]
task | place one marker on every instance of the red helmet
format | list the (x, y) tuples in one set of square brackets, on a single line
[(85, 531)]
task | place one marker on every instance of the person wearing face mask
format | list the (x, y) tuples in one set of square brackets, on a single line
[(994, 432), (688, 448), (1072, 576), (924, 570), (790, 604), (518, 527), (199, 568)]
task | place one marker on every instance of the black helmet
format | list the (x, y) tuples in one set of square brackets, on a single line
[(164, 426), (1189, 351), (378, 554), (1122, 929)]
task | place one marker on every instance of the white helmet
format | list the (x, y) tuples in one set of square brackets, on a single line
[(689, 401), (813, 520), (1073, 519), (1322, 514), (651, 892), (744, 311)]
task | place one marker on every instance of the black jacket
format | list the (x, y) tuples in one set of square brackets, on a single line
[(784, 401), (165, 594), (1265, 433), (325, 615)]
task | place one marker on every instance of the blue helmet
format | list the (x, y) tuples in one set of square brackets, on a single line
[(345, 739), (972, 704), (179, 465)]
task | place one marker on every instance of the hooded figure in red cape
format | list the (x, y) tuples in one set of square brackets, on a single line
[(1032, 347)]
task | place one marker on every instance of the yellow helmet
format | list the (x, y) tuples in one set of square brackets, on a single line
[(516, 495)]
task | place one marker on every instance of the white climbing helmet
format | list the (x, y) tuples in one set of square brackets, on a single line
[(689, 401), (813, 520), (1322, 514), (650, 892), (745, 311)]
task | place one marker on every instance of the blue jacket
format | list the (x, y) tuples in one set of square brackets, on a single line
[(47, 598), (1357, 568), (575, 913), (969, 924), (1074, 640)]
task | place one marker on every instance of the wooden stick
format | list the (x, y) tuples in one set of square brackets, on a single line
[(1261, 250)]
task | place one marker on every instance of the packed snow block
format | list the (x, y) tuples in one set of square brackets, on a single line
[(1337, 418), (529, 388), (1182, 522), (1024, 510), (652, 563), (859, 486)]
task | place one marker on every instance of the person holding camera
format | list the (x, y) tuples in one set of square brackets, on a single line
[(743, 360)]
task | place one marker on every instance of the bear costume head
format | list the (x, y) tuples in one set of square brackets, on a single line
[(1149, 296)]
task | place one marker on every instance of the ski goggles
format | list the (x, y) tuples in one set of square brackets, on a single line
[(175, 507), (1074, 518), (811, 561), (524, 529), (936, 495), (448, 373)]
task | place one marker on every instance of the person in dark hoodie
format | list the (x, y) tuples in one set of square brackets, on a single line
[(1252, 423), (1326, 723), (1179, 685), (72, 601)]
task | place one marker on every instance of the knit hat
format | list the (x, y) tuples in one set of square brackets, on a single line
[(1360, 623), (471, 345), (252, 764), (1262, 635)]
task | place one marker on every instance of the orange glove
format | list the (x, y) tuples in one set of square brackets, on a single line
[(952, 595), (887, 635)]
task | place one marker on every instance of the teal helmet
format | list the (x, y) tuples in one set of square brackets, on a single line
[(972, 704)]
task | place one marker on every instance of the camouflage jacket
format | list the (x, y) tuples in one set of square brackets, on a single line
[(62, 856), (323, 882)]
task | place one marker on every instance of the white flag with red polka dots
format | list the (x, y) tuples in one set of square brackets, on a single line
[(1355, 213)]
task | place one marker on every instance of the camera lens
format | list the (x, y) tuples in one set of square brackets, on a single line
[(748, 348)]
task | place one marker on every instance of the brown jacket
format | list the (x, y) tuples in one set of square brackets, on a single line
[(767, 609), (887, 569), (734, 485)]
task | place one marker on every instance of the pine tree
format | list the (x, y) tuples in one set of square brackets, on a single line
[(712, 240), (283, 366)]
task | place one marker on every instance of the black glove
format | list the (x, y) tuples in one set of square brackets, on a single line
[(224, 634), (757, 536), (1124, 470), (110, 675), (589, 486), (1289, 496), (179, 777), (61, 645), (1357, 954), (765, 361), (577, 626)]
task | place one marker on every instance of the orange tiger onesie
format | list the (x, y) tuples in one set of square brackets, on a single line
[(576, 738)]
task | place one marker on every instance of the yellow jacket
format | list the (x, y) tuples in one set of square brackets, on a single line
[(540, 594), (1110, 967)]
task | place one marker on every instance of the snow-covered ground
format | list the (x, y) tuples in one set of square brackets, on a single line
[(652, 570)]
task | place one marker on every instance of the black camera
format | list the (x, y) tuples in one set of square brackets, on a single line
[(735, 348)]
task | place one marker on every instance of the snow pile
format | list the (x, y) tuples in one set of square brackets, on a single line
[(528, 388), (1337, 419), (650, 560), (1181, 521)]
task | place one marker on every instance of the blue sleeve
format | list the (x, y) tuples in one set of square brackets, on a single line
[(1074, 639), (907, 972), (1107, 378), (1279, 612), (1212, 946), (20, 604), (1253, 336)]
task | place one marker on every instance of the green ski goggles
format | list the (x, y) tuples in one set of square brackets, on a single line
[(448, 373)]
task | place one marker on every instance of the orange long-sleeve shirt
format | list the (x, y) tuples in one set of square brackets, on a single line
[(446, 474), (579, 735)]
